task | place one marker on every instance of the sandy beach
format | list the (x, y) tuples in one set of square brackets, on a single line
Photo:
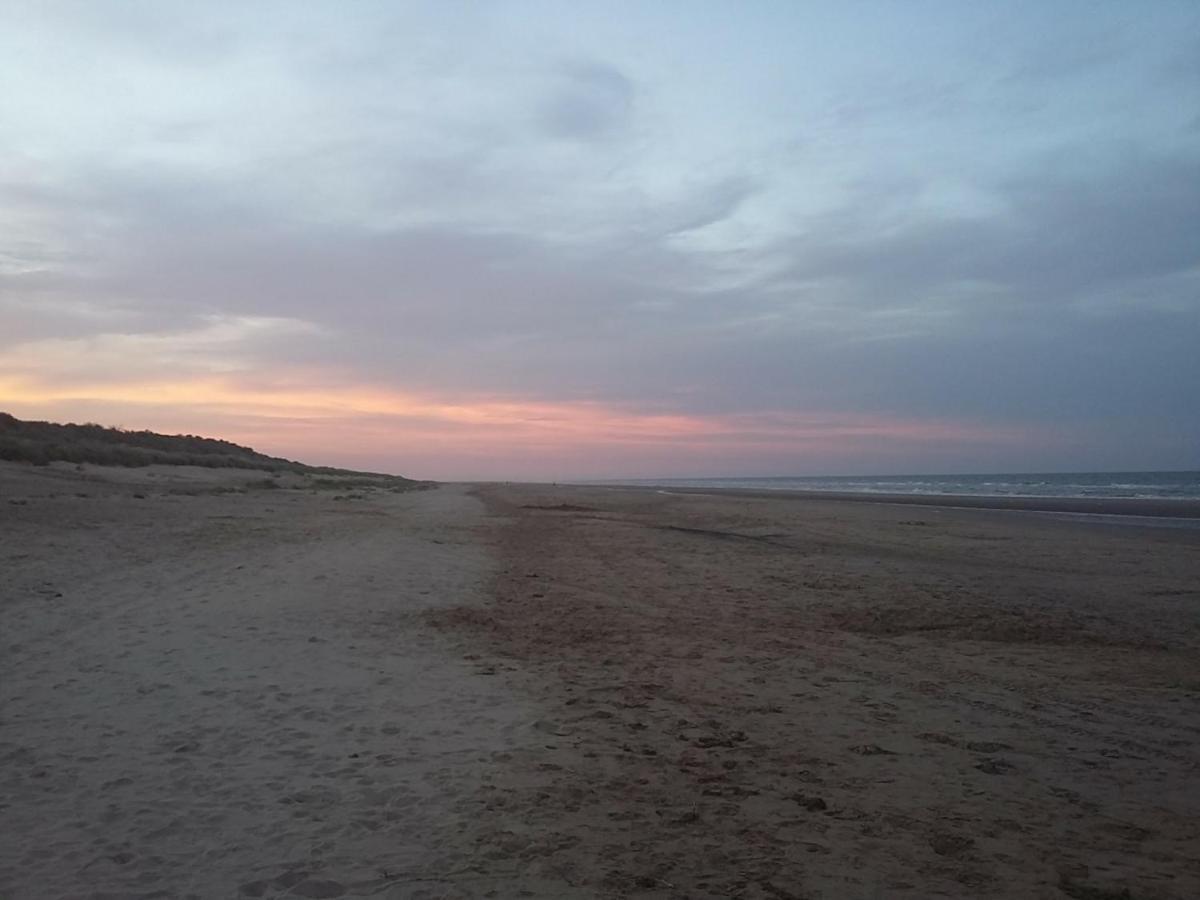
[(214, 688)]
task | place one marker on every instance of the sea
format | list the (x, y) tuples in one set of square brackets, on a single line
[(1139, 485)]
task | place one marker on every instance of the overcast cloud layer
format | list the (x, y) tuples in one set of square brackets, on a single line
[(563, 240)]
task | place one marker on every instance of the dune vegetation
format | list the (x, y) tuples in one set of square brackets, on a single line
[(42, 443)]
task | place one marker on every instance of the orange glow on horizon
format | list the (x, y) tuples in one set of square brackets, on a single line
[(360, 422), (588, 420)]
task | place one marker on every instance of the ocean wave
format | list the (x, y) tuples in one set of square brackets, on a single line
[(1137, 485)]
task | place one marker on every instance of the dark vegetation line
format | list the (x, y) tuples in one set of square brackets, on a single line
[(42, 443)]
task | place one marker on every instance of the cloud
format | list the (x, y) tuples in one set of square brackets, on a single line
[(386, 205), (709, 205), (216, 344), (590, 101), (939, 311), (1067, 53), (1060, 236), (168, 31)]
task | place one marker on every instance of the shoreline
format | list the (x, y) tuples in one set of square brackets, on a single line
[(1100, 506)]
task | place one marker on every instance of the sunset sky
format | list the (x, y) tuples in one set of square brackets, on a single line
[(581, 240)]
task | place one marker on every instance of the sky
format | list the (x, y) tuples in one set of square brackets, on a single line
[(549, 240)]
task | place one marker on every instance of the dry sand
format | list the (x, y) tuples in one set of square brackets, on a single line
[(216, 694), (579, 692)]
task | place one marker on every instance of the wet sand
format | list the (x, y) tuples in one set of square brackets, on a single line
[(831, 699), (1094, 506), (500, 691)]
